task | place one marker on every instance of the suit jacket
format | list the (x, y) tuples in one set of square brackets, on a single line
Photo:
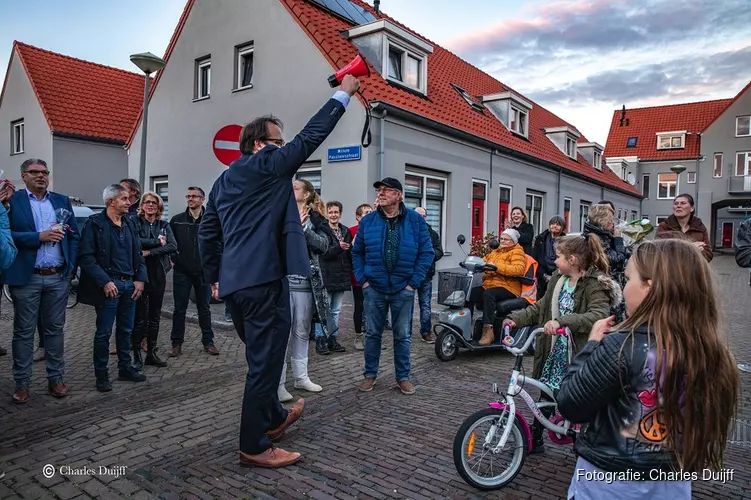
[(25, 236), (251, 232)]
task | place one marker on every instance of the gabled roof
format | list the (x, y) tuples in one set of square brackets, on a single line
[(443, 103), (81, 98), (645, 123)]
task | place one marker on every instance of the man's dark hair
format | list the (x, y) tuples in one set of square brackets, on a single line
[(32, 161), (195, 188), (257, 130), (132, 184), (607, 202), (335, 204)]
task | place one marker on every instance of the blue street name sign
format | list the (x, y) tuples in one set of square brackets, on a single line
[(346, 153)]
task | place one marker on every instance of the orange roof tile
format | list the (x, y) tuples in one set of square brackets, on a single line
[(80, 97), (645, 123)]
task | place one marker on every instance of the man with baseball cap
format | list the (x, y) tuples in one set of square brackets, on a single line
[(391, 256)]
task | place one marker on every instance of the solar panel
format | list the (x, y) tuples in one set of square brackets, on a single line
[(347, 10)]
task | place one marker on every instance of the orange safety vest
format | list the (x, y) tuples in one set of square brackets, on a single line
[(529, 281)]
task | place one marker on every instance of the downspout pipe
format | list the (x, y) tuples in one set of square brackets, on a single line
[(382, 147)]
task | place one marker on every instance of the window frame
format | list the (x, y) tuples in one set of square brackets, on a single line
[(737, 119), (241, 51), (675, 186), (714, 166), (425, 197), (311, 168), (660, 218), (597, 160), (567, 213), (689, 177), (628, 142), (571, 151), (201, 63), (510, 203), (672, 135), (159, 180), (405, 53), (643, 184), (520, 112), (17, 147), (583, 218), (486, 184), (530, 209), (746, 161)]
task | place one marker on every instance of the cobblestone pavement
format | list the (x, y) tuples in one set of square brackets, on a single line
[(177, 434)]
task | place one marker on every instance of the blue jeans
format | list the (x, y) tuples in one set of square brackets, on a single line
[(424, 298), (123, 310), (335, 302), (377, 305), (181, 286), (48, 295)]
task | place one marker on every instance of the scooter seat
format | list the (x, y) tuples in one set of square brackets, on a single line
[(507, 306)]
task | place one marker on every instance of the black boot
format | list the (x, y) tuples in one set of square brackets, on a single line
[(538, 444), (151, 357), (103, 383), (322, 346), (335, 346), (131, 375), (137, 359)]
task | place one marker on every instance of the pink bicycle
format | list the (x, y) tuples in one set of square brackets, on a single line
[(501, 431)]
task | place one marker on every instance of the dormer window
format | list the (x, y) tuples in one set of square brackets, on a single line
[(470, 100), (400, 56), (565, 138), (592, 152), (671, 140), (597, 163), (571, 147), (511, 110)]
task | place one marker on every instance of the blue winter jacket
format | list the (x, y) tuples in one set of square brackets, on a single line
[(414, 257), (8, 250)]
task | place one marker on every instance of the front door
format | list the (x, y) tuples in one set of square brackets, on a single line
[(727, 235), (478, 210)]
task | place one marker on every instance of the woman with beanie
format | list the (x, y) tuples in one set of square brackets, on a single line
[(501, 284)]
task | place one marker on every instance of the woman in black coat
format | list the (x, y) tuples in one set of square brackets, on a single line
[(544, 253), (518, 220)]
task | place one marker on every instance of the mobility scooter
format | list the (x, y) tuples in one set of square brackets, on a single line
[(456, 328)]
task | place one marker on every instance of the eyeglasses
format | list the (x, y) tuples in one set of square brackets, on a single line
[(189, 196), (37, 172), (278, 142), (150, 202)]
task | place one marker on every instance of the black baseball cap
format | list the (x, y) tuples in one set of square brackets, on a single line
[(389, 182)]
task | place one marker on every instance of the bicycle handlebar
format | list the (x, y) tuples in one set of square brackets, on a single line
[(508, 339)]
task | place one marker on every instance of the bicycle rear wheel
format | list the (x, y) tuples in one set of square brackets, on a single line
[(474, 458)]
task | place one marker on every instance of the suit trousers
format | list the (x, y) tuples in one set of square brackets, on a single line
[(261, 316)]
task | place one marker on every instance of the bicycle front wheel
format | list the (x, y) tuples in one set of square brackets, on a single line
[(474, 457)]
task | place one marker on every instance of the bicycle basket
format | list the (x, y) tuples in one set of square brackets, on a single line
[(452, 288)]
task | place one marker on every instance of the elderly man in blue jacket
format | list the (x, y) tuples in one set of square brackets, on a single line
[(250, 239), (391, 256)]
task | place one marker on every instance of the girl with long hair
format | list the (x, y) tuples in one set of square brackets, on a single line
[(658, 430), (307, 293), (580, 293)]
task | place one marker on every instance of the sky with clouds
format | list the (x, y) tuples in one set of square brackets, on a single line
[(579, 58)]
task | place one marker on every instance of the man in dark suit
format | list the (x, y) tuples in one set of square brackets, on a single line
[(39, 278), (251, 238)]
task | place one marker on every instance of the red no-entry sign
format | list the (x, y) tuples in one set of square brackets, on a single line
[(226, 144)]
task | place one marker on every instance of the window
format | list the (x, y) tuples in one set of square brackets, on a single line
[(405, 67), (567, 213), (470, 100), (667, 186), (661, 218), (504, 206), (743, 164), (743, 126), (427, 191), (244, 66), (634, 215), (717, 172), (645, 185), (597, 162), (691, 177), (160, 186), (571, 147), (312, 175), (583, 213), (16, 137), (203, 78), (631, 142), (518, 122), (534, 210), (672, 141)]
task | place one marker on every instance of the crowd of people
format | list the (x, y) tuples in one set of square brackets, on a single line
[(278, 255)]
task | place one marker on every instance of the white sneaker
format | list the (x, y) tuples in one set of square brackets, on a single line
[(306, 385), (284, 396)]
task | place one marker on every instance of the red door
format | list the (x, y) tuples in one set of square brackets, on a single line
[(503, 207), (727, 235), (478, 210)]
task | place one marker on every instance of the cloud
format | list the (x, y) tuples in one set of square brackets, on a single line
[(684, 78)]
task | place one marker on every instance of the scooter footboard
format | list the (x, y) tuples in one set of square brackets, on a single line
[(522, 421)]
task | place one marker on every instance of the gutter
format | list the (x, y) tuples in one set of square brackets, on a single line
[(382, 146), (415, 118)]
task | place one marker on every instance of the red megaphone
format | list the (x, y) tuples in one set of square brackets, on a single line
[(356, 68)]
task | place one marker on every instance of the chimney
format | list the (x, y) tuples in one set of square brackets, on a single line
[(376, 5)]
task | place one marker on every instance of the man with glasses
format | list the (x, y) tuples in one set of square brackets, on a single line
[(251, 239), (188, 275), (39, 278)]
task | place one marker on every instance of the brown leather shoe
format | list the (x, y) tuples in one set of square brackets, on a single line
[(292, 416), (21, 395), (175, 352), (270, 459), (211, 349), (59, 390), (487, 335), (406, 387), (367, 384)]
